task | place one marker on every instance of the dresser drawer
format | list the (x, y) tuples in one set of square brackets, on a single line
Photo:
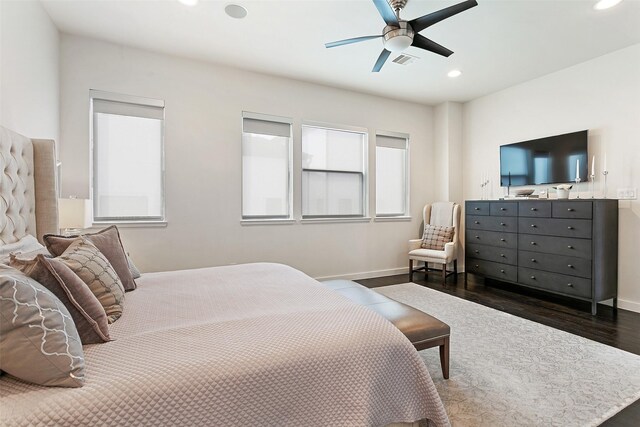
[(504, 209), (580, 248), (534, 209), (478, 208), (492, 223), (555, 263), (492, 269), (492, 238), (492, 253), (580, 228), (568, 285), (569, 209)]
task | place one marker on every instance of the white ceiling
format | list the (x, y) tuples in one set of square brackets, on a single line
[(497, 44)]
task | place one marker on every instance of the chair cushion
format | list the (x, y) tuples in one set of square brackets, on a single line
[(428, 253), (436, 236)]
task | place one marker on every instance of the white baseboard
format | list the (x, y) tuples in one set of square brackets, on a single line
[(367, 274), (629, 305)]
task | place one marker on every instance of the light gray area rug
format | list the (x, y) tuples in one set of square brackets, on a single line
[(509, 371)]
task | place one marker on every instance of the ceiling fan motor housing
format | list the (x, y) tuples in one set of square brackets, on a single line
[(398, 39)]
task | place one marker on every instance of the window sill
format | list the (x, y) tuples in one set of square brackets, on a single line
[(334, 220), (392, 218), (129, 224), (275, 221)]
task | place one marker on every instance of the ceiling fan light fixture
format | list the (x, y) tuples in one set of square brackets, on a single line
[(397, 43), (605, 4), (454, 73), (235, 11), (189, 2)]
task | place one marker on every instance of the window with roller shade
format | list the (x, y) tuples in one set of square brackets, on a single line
[(333, 172), (392, 175), (266, 167), (128, 157)]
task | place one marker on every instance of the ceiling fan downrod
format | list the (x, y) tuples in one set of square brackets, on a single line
[(398, 5)]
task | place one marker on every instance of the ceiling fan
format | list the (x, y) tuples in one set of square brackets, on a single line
[(400, 34)]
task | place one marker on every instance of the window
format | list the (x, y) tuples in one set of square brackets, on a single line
[(333, 172), (392, 177), (128, 157), (266, 166)]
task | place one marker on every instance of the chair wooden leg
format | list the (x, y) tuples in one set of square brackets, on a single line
[(411, 270), (444, 358), (444, 274), (455, 266)]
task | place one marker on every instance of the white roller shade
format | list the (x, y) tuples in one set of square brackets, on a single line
[(266, 127), (127, 109), (391, 142)]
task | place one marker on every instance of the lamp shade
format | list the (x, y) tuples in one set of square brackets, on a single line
[(74, 213)]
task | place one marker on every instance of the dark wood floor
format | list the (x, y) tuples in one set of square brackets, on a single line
[(619, 329)]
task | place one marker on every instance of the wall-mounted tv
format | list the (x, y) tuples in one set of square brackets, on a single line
[(550, 160)]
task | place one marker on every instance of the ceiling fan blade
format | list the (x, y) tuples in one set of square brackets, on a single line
[(349, 41), (426, 44), (381, 60), (425, 21), (386, 11)]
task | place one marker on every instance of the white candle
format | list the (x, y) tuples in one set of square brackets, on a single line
[(577, 169), (593, 166)]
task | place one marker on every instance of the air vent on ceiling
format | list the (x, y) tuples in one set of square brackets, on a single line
[(404, 59)]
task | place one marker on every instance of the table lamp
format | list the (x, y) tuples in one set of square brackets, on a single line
[(75, 215)]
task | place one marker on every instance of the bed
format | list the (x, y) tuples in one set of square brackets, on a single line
[(256, 344)]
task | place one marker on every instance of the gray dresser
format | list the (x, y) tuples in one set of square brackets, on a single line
[(567, 247)]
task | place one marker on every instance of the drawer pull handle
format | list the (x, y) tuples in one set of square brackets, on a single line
[(503, 209), (502, 240), (533, 225), (502, 255), (569, 247), (533, 260), (501, 271), (533, 243), (570, 285), (534, 209), (569, 228), (477, 237), (476, 222), (533, 277), (477, 251), (477, 209), (502, 224), (570, 266), (570, 209), (477, 266)]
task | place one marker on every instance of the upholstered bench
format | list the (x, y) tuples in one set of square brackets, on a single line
[(422, 330)]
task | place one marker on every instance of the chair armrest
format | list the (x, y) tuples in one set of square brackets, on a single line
[(415, 244), (450, 249)]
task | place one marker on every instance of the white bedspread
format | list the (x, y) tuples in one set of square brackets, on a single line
[(256, 344)]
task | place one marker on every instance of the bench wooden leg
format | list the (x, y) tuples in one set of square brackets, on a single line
[(411, 270), (444, 358)]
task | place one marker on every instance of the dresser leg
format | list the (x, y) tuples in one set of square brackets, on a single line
[(465, 280), (615, 303), (594, 307)]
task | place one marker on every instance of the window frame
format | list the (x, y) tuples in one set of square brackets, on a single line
[(407, 175), (135, 100), (364, 174), (268, 218)]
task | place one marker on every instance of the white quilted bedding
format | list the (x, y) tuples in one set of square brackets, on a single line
[(255, 344)]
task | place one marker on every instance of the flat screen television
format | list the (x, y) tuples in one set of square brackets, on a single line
[(550, 160)]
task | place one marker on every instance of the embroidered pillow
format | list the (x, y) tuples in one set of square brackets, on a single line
[(108, 242), (435, 236), (85, 309), (39, 342), (94, 269)]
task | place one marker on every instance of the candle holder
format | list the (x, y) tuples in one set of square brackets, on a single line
[(604, 174), (483, 187), (592, 178), (577, 181)]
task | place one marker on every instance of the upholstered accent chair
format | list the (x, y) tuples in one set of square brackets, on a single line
[(438, 214)]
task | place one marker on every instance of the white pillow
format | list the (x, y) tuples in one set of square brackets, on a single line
[(27, 244)]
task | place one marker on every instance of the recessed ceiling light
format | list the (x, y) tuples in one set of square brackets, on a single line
[(235, 11), (454, 73), (605, 4), (189, 2)]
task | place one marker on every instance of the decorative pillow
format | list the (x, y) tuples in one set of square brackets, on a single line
[(84, 258), (25, 245), (108, 242), (39, 342), (85, 309), (435, 236), (135, 273)]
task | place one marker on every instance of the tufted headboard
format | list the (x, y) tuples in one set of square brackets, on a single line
[(28, 196)]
